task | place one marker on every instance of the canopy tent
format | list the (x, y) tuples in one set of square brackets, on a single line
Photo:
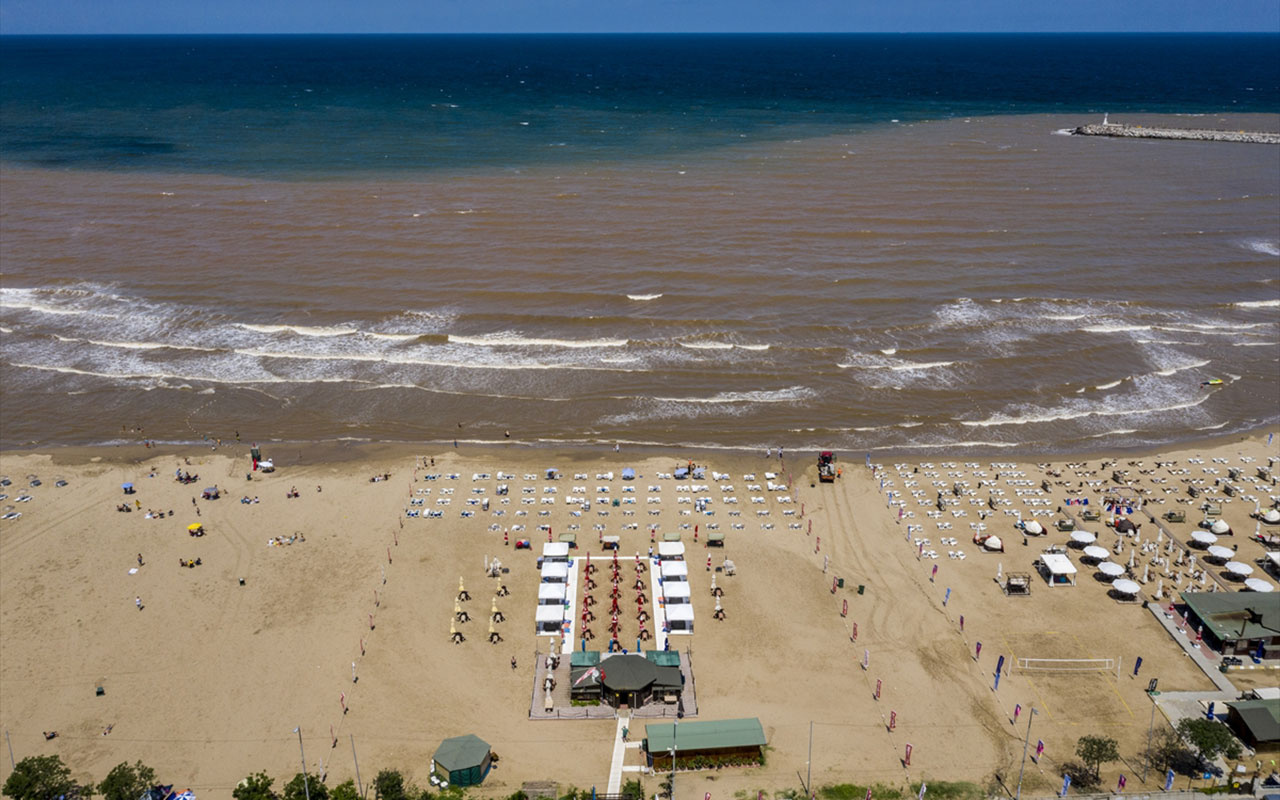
[(699, 473), (1203, 538), (1220, 527), (552, 474), (680, 617), (1111, 569), (549, 618), (1257, 585), (552, 594), (675, 570), (628, 474), (680, 473), (675, 591), (463, 760), (671, 536), (555, 551), (1126, 586), (1222, 553), (1083, 537), (1239, 568), (1095, 552), (672, 550), (555, 572), (1061, 571)]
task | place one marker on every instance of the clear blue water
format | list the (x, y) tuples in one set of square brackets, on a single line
[(316, 106)]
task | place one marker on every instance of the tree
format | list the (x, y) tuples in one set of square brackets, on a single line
[(345, 791), (1095, 751), (1210, 739), (389, 785), (42, 777), (255, 787), (633, 789), (126, 782), (305, 785)]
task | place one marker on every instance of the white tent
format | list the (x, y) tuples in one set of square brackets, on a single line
[(555, 551), (680, 618), (551, 594), (1032, 527), (1061, 571), (549, 618), (555, 572), (671, 550), (675, 570), (1220, 527), (1271, 516), (675, 591)]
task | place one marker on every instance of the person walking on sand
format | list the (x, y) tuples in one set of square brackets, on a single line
[(137, 601), (139, 559), (513, 662)]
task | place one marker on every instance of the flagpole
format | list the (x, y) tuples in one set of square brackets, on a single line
[(1025, 744)]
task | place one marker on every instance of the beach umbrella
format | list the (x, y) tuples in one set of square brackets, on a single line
[(1257, 585), (1239, 568), (1125, 586), (1111, 569), (1220, 527), (126, 486), (1096, 552), (195, 526), (1203, 538), (1083, 537), (1221, 553)]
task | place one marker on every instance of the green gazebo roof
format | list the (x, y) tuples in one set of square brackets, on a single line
[(628, 673), (461, 752)]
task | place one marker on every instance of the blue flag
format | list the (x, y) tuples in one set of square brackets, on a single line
[(1168, 781), (948, 597), (1066, 784)]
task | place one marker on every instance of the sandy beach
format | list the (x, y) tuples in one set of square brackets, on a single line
[(207, 681)]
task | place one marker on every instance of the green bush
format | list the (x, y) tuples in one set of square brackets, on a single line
[(43, 777), (389, 785), (303, 786), (255, 787), (126, 782)]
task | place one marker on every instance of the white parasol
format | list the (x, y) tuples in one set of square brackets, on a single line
[(1239, 568), (1111, 569), (1257, 585), (1083, 537), (1126, 586)]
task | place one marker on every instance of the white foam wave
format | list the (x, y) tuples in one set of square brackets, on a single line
[(1255, 344), (1182, 368), (1114, 328), (888, 351), (1059, 415), (643, 297), (392, 337), (16, 300), (1257, 304), (789, 395), (516, 340), (1111, 385), (1269, 247), (300, 330), (706, 345), (408, 361), (1064, 317), (3, 329), (1120, 432), (899, 367), (942, 446)]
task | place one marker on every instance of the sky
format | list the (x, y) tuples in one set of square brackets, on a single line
[(633, 16)]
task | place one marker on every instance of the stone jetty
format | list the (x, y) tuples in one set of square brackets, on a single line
[(1191, 134)]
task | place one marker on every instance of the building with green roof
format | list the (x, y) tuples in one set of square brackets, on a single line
[(1236, 623), (1256, 722), (705, 742), (463, 760)]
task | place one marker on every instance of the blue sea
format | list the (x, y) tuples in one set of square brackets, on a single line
[(851, 241)]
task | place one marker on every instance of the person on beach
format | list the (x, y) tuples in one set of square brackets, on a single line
[(139, 559), (513, 662), (137, 601)]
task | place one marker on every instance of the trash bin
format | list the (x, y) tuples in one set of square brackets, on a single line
[(840, 582), (861, 588)]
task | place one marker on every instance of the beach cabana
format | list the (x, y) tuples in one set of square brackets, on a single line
[(680, 473), (1061, 571), (1032, 528), (1220, 528), (1271, 516), (555, 551), (699, 473), (463, 760), (671, 551), (552, 594), (680, 618), (628, 474), (676, 592), (555, 572), (675, 571), (549, 619)]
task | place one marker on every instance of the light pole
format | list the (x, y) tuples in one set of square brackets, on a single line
[(306, 788), (1151, 692), (1025, 744), (673, 758)]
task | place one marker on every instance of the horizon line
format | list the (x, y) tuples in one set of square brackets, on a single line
[(6, 35)]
